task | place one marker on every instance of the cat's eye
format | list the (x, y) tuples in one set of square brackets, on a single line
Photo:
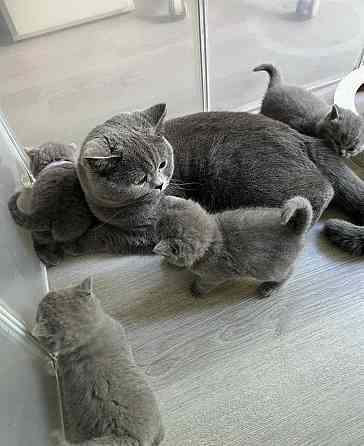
[(162, 165), (141, 181)]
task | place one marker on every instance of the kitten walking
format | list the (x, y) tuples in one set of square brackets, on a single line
[(262, 243), (106, 399), (340, 128)]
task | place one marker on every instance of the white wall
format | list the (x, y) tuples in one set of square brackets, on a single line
[(27, 18)]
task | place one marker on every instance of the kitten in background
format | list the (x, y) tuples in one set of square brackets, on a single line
[(54, 208), (106, 398), (262, 243), (340, 128)]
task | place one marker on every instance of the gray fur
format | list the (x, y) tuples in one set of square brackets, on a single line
[(346, 235), (340, 128), (54, 209), (115, 157), (262, 243), (49, 152), (226, 160), (106, 398)]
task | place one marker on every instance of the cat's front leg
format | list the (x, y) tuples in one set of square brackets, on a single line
[(109, 239), (202, 285), (109, 440)]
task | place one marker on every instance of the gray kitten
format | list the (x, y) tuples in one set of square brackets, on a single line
[(262, 243), (222, 160), (54, 208), (340, 128), (105, 396)]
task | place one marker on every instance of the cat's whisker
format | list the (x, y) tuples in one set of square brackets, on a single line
[(108, 220)]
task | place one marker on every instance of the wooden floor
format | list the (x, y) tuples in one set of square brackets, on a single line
[(234, 370)]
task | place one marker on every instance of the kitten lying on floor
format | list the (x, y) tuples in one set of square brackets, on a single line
[(106, 399), (262, 243), (340, 128), (54, 208)]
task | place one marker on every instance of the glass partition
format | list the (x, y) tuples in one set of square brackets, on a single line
[(29, 408), (22, 277), (312, 42), (59, 85)]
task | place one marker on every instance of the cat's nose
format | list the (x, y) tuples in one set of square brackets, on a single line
[(158, 185)]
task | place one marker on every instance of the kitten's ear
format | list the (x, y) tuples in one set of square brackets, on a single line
[(163, 249), (86, 285), (334, 114), (155, 115)]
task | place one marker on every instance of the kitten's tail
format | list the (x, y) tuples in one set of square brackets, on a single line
[(274, 76), (297, 214), (347, 236), (28, 221)]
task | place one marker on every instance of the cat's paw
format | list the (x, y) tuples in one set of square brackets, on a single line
[(266, 289), (50, 255), (56, 439), (349, 153), (197, 289), (73, 248)]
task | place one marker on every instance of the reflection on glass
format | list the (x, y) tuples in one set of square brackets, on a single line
[(59, 85), (29, 405), (308, 48), (22, 278)]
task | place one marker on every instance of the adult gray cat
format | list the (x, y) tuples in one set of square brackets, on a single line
[(54, 208), (340, 128), (223, 160), (262, 243), (345, 235), (125, 165), (106, 399)]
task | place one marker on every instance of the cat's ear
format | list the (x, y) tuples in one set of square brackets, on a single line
[(155, 115), (334, 114), (100, 163), (86, 285), (164, 249)]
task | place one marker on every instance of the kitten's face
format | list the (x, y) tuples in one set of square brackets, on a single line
[(185, 233), (66, 318), (127, 159), (344, 131), (41, 156)]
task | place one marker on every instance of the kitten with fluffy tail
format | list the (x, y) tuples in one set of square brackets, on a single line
[(262, 243), (105, 396), (340, 128)]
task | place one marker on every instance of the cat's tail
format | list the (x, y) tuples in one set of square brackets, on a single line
[(274, 76), (31, 222), (345, 235), (297, 214)]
